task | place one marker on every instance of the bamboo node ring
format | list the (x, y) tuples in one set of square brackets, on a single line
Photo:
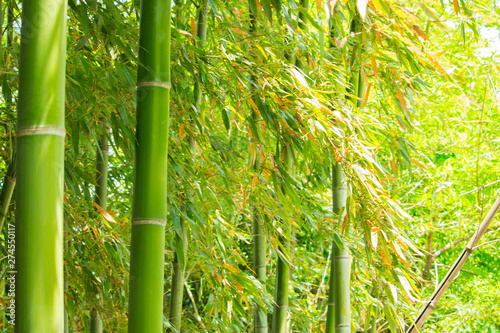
[(165, 85), (41, 130), (149, 221)]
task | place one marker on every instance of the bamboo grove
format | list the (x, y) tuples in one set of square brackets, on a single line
[(204, 166)]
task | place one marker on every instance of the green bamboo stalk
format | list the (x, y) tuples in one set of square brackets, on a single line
[(150, 184), (6, 91), (341, 286), (283, 267), (9, 183), (40, 168), (281, 289), (338, 263), (373, 328), (338, 318), (258, 227), (100, 198), (101, 174), (177, 291), (259, 266), (95, 322)]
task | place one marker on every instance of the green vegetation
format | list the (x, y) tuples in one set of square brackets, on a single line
[(261, 166)]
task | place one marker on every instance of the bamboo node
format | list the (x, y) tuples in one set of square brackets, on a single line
[(149, 221), (41, 130), (165, 85), (343, 325)]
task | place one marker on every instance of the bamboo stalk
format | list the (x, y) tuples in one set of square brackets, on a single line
[(373, 328), (258, 226), (100, 198), (430, 257), (338, 303), (338, 318), (259, 260), (95, 321), (101, 175), (280, 313), (454, 270), (150, 179), (40, 168), (9, 183), (179, 266)]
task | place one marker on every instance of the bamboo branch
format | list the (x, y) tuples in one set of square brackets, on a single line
[(454, 270), (479, 188), (450, 245), (493, 241), (457, 241)]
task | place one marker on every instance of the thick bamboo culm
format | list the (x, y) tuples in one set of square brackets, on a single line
[(454, 270), (178, 266), (150, 179), (40, 168)]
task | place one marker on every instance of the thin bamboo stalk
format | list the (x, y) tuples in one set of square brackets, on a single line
[(40, 168), (373, 327), (101, 175), (150, 183), (100, 198), (454, 270), (9, 183), (179, 266), (95, 322), (338, 306), (258, 225), (284, 269), (259, 266), (280, 313)]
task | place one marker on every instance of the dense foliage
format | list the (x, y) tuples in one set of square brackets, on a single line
[(258, 117)]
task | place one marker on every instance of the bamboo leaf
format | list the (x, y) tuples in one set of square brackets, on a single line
[(268, 12), (402, 99), (239, 31), (104, 213)]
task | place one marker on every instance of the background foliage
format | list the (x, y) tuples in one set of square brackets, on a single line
[(424, 137)]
